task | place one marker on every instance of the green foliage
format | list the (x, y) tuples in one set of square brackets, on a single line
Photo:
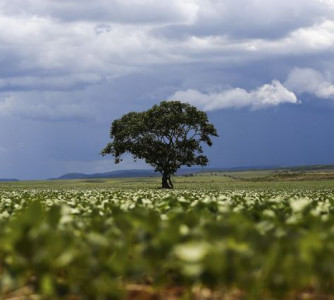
[(167, 136), (95, 244)]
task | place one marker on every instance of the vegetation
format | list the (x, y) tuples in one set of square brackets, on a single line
[(213, 237), (167, 136)]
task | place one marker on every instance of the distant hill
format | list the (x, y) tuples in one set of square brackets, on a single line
[(185, 171), (126, 174), (312, 168), (8, 179), (113, 174)]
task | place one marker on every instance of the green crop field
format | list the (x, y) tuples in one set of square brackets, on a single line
[(240, 235)]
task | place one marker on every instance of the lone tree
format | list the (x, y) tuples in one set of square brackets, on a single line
[(167, 136)]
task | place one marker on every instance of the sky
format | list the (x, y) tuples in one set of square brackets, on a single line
[(263, 70)]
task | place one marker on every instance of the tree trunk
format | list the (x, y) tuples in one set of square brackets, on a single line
[(170, 182), (166, 182)]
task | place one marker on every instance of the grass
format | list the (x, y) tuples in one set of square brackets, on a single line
[(243, 180)]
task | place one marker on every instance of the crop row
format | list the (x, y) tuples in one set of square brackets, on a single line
[(96, 244)]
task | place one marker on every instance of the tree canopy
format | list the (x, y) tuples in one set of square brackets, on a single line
[(167, 136)]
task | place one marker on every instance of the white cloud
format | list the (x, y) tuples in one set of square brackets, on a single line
[(329, 3), (267, 95), (253, 18), (40, 52), (306, 80), (299, 81), (315, 38), (130, 11)]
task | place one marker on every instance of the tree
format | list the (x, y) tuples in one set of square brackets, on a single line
[(167, 136)]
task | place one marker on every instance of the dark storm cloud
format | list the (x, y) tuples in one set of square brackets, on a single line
[(250, 19), (45, 52)]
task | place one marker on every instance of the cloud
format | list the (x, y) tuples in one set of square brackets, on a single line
[(252, 18), (268, 19), (116, 11), (316, 38), (42, 49), (67, 46), (65, 82), (265, 96), (310, 81), (48, 108), (329, 3)]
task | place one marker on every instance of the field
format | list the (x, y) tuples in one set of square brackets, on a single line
[(241, 235)]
